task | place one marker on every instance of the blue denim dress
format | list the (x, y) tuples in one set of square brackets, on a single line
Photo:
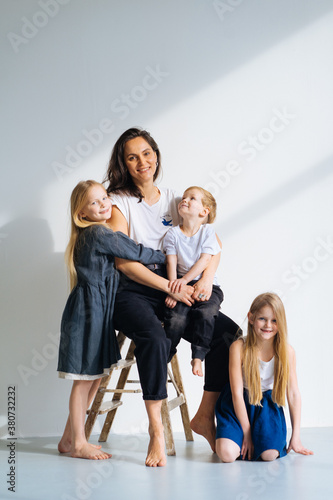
[(88, 344), (268, 424)]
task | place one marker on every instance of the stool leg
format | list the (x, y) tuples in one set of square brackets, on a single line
[(183, 408), (95, 406), (168, 436)]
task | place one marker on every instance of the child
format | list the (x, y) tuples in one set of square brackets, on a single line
[(88, 345), (262, 367), (189, 248)]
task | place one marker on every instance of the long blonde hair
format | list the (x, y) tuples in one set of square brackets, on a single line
[(250, 353), (78, 224)]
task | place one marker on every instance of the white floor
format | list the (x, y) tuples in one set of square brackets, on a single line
[(194, 473)]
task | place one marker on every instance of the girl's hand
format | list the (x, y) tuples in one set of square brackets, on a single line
[(296, 445), (170, 302), (247, 446), (202, 290), (176, 285), (185, 295)]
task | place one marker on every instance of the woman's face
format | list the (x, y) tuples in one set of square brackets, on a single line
[(140, 160)]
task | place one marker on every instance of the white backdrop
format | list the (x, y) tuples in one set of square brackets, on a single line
[(238, 95)]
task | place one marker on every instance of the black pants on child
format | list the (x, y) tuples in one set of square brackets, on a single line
[(200, 318)]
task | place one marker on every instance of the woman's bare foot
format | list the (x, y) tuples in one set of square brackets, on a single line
[(206, 428), (197, 367), (156, 452), (203, 422), (89, 451)]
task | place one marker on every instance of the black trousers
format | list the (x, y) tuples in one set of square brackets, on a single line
[(200, 318), (138, 313)]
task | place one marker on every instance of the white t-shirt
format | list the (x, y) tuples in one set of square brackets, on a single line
[(188, 249), (266, 369), (148, 224)]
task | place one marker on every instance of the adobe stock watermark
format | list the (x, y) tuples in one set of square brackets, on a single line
[(121, 107), (105, 468), (31, 27), (266, 475), (249, 148), (298, 273), (40, 359), (226, 7)]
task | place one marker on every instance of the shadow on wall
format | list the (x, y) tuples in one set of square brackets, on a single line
[(33, 284), (278, 196)]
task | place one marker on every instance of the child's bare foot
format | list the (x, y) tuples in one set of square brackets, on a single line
[(89, 451), (205, 426), (65, 445), (156, 452), (197, 367)]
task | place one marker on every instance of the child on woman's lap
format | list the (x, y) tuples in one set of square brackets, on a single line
[(88, 345), (262, 368), (189, 249)]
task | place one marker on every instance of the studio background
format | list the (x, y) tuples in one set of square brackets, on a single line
[(238, 96)]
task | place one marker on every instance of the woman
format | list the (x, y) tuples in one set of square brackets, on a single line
[(144, 212)]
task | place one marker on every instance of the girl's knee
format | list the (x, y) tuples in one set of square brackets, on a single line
[(269, 455), (227, 450)]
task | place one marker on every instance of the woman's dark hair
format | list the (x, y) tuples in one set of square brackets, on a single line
[(117, 174)]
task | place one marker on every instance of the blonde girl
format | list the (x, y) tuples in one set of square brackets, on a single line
[(262, 369), (88, 346)]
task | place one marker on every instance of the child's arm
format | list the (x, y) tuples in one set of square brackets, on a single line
[(237, 390), (171, 266), (197, 268), (204, 285), (294, 403)]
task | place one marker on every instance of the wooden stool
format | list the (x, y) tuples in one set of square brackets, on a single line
[(99, 407)]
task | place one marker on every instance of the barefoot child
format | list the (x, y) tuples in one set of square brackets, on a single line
[(189, 248), (88, 345), (262, 367)]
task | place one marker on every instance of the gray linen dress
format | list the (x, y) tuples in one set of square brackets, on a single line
[(88, 344)]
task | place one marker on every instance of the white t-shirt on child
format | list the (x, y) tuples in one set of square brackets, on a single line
[(148, 224), (188, 249)]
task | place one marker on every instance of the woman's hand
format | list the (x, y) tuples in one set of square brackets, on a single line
[(247, 446), (296, 445), (202, 289), (176, 285), (185, 295)]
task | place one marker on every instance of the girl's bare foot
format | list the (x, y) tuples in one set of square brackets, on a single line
[(156, 452), (197, 367), (65, 445), (89, 451)]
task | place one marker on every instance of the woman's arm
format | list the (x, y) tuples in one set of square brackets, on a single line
[(294, 403), (237, 390), (204, 285), (139, 273)]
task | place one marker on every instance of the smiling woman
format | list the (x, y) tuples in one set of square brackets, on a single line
[(145, 212)]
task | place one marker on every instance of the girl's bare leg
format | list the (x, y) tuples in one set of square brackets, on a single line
[(269, 455), (156, 449), (65, 442), (227, 450), (78, 402), (203, 422)]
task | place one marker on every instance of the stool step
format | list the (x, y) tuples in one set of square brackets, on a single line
[(123, 363), (107, 406), (174, 403), (121, 391)]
